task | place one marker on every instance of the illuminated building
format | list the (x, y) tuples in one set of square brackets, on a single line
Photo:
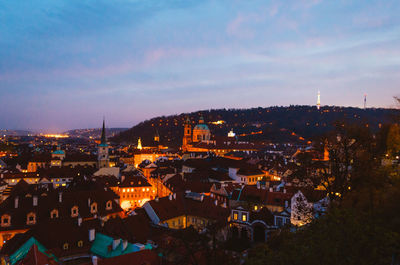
[(181, 210), (134, 191), (231, 133), (102, 150), (200, 140), (200, 133), (21, 213), (319, 100)]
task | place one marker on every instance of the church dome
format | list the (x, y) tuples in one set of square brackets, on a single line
[(201, 126)]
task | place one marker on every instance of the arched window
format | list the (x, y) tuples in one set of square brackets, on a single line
[(93, 208), (65, 246), (80, 243), (31, 218), (74, 211), (109, 205), (5, 220), (54, 214)]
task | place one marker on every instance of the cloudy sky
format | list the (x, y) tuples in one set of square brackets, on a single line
[(66, 63)]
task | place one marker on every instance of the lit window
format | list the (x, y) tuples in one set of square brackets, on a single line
[(74, 211), (80, 243), (54, 214), (235, 215), (93, 208), (31, 218), (5, 220), (255, 208), (109, 205), (244, 217), (65, 246)]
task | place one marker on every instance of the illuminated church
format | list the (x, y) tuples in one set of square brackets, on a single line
[(200, 133), (199, 139)]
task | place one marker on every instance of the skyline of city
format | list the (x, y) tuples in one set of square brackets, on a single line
[(65, 65)]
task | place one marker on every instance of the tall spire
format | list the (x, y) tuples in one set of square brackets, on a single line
[(103, 133), (319, 100)]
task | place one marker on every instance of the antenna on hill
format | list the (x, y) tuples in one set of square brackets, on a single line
[(365, 101)]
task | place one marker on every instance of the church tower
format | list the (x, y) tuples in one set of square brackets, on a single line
[(187, 134), (102, 150), (319, 100)]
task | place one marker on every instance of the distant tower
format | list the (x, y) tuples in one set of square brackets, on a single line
[(102, 150), (365, 101), (187, 134), (319, 100), (139, 144)]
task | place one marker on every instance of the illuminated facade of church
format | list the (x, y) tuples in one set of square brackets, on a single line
[(200, 139), (200, 133)]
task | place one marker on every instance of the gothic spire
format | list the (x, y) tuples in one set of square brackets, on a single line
[(103, 134)]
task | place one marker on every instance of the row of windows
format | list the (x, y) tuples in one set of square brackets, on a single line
[(132, 190), (66, 245), (31, 217), (251, 179), (243, 216), (136, 195)]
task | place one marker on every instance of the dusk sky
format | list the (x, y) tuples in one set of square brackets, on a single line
[(66, 63)]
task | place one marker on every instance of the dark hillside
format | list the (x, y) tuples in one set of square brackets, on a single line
[(275, 124)]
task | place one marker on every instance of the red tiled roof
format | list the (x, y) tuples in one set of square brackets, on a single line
[(181, 205)]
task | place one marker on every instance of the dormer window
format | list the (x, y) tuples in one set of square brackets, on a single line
[(109, 205), (74, 211), (31, 218), (93, 208), (65, 246), (5, 220), (54, 214)]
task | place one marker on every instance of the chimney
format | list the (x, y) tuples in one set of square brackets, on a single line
[(124, 244), (35, 200), (92, 234), (271, 189), (60, 197), (16, 202), (79, 221), (170, 197), (94, 260), (115, 244)]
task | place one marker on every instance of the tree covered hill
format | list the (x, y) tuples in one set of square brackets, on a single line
[(274, 124)]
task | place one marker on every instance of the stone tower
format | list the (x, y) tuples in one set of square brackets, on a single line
[(187, 134)]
